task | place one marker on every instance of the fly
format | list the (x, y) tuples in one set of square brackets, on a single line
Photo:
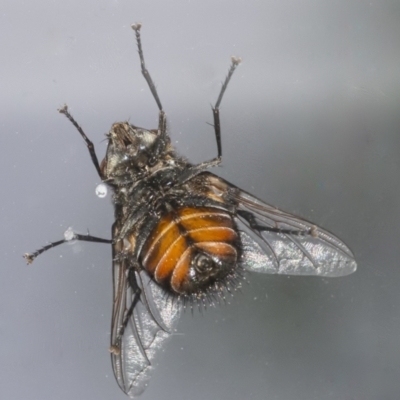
[(183, 235)]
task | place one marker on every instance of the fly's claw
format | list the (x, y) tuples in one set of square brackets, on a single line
[(29, 258)]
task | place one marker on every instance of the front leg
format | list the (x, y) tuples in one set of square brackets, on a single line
[(69, 235), (89, 143)]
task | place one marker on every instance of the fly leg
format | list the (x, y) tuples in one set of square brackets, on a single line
[(136, 292), (89, 143), (198, 168), (160, 145), (145, 72), (69, 235), (235, 61)]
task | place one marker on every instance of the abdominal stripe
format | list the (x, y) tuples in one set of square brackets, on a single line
[(174, 240)]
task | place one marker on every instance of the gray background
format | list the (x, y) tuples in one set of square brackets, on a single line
[(310, 124)]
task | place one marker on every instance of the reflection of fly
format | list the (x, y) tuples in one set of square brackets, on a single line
[(182, 234)]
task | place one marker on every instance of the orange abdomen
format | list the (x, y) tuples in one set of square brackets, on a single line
[(191, 248)]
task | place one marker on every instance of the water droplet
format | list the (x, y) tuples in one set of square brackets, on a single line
[(101, 190), (69, 234)]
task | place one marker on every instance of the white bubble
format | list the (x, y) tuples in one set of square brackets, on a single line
[(101, 190), (69, 234)]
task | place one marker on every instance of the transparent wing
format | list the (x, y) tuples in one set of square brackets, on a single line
[(152, 323), (276, 242)]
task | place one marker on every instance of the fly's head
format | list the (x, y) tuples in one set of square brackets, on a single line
[(131, 153)]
